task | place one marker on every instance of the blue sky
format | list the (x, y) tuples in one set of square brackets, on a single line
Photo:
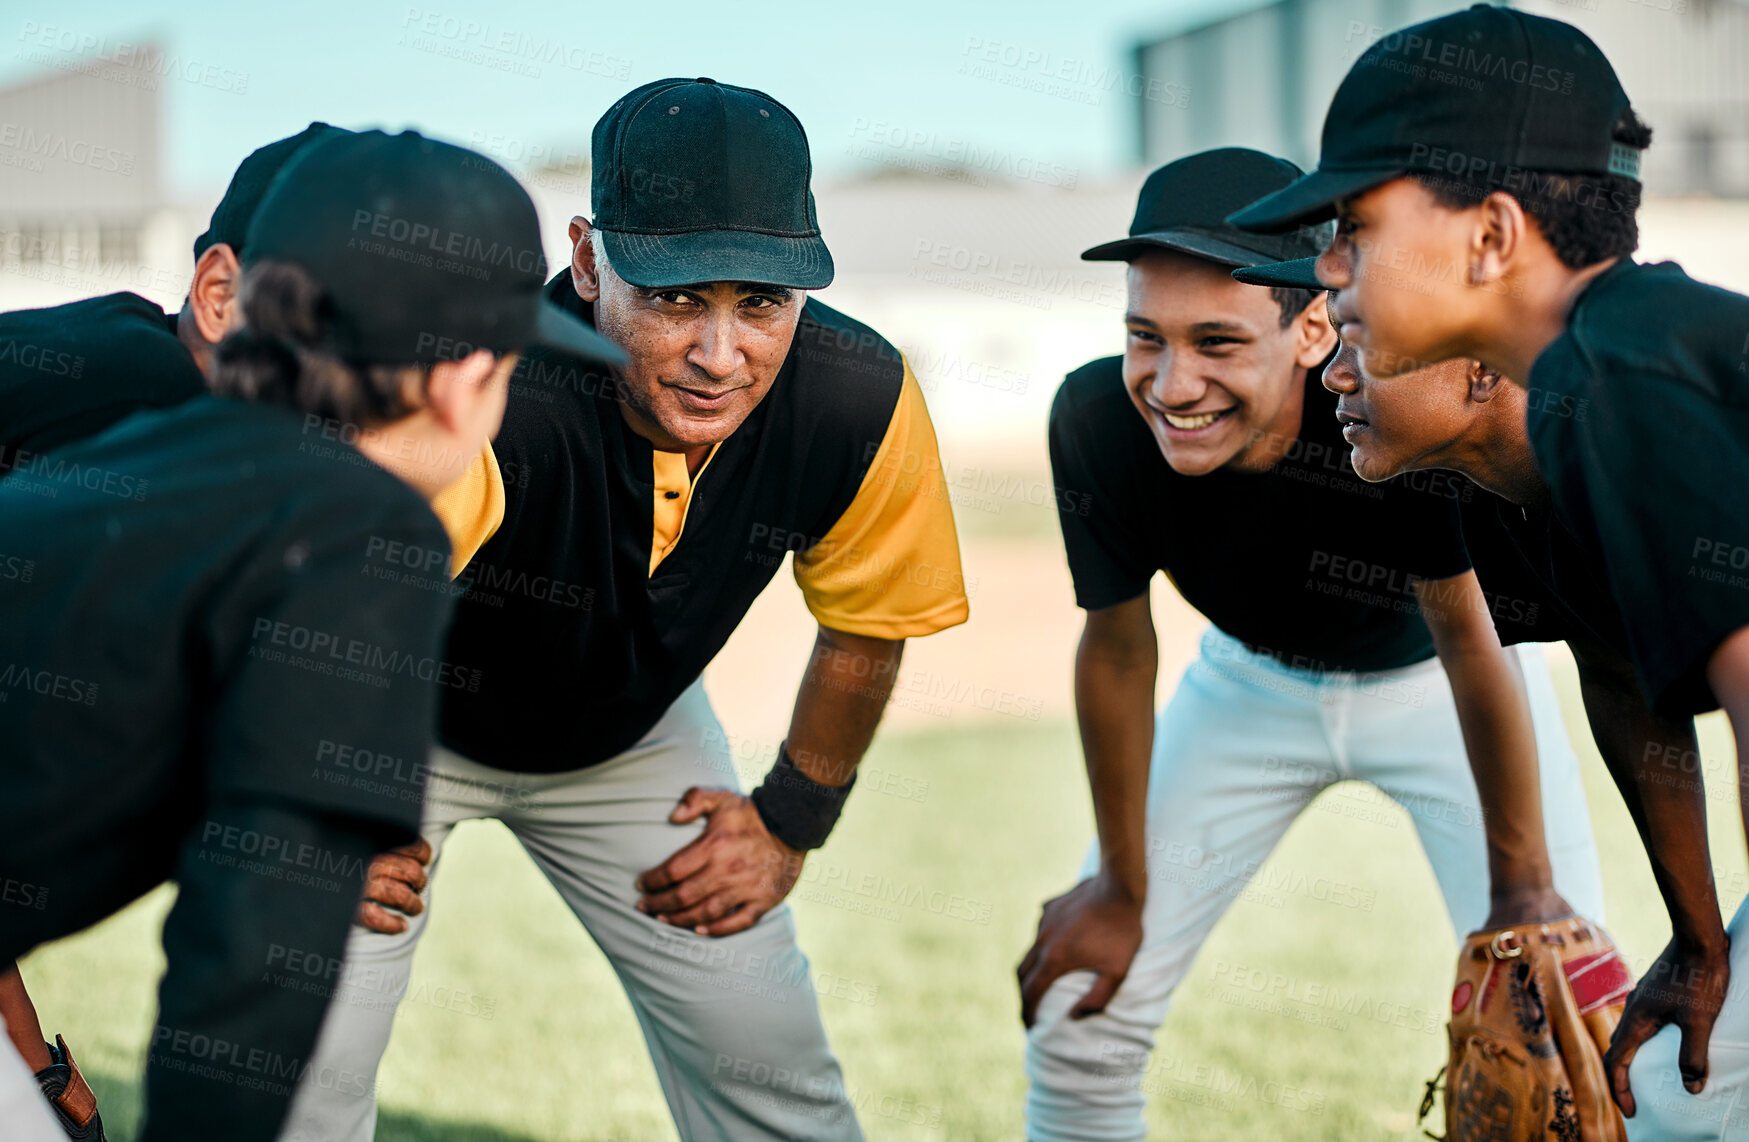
[(513, 77)]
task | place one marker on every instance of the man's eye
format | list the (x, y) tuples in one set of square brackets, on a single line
[(673, 297), (760, 303), (1217, 342), (1145, 336)]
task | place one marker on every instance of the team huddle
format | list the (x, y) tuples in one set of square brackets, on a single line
[(385, 497)]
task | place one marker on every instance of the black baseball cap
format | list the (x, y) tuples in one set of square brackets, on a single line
[(1484, 93), (1184, 205), (698, 181), (1297, 274), (427, 251), (230, 221)]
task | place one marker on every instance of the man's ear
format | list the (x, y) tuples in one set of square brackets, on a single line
[(1498, 240), (1314, 339), (1485, 383), (212, 296), (585, 276)]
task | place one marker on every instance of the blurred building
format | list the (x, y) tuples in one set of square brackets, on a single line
[(1264, 78), (82, 202)]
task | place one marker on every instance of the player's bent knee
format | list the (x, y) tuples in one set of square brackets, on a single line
[(1105, 1043)]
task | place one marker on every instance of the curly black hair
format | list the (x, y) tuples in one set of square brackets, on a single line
[(1586, 218)]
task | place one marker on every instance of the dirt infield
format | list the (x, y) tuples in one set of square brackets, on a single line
[(1013, 660)]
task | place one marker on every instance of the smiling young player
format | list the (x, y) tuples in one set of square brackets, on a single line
[(1209, 451), (1606, 397)]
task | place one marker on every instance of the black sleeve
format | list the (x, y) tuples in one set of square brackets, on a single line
[(1425, 522), (74, 370), (265, 895), (341, 658), (1108, 555), (1663, 466), (325, 654)]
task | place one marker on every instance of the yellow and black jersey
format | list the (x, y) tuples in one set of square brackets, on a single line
[(472, 508), (617, 576)]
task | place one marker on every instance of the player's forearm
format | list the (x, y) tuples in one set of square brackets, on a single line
[(1500, 738), (842, 696), (19, 1015), (1115, 674), (1668, 809)]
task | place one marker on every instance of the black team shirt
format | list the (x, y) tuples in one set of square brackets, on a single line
[(1305, 562), (217, 667), (1640, 426), (73, 370), (1540, 584)]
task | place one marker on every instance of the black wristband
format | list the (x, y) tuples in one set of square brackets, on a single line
[(796, 809)]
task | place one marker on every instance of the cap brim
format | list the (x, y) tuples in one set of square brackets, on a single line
[(1308, 200), (1184, 241), (656, 261), (1297, 274), (557, 329)]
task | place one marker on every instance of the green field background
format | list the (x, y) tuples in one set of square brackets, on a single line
[(920, 1002)]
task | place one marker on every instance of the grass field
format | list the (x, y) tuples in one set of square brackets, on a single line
[(927, 1029)]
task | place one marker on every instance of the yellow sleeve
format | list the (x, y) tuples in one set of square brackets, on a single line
[(890, 566), (472, 508)]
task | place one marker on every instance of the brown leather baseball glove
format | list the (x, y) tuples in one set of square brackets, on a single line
[(1531, 1016), (69, 1096)]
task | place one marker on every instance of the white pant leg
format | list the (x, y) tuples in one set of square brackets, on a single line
[(1401, 733), (732, 1023), (1663, 1110), (735, 1061), (1239, 751), (1566, 811), (24, 1113), (336, 1100)]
